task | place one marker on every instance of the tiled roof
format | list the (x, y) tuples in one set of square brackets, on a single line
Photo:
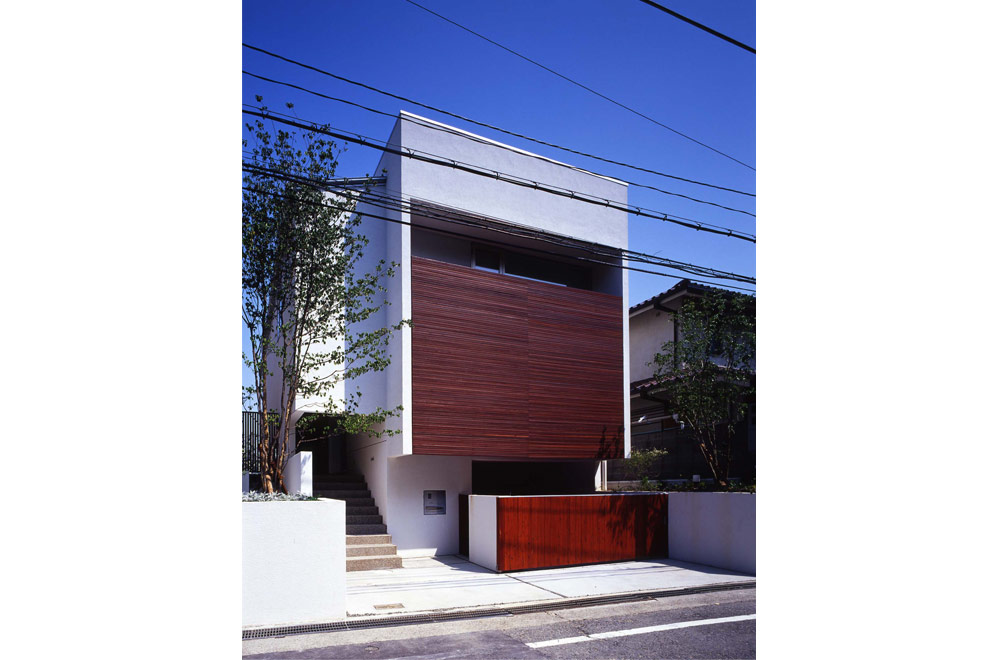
[(680, 286)]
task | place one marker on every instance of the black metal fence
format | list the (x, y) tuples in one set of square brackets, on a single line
[(253, 427), (684, 458)]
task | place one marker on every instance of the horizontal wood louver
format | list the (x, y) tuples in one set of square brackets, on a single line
[(511, 368)]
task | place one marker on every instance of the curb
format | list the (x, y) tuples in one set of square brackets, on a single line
[(436, 616)]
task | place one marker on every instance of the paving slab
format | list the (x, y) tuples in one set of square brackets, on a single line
[(625, 577), (439, 583), (434, 583)]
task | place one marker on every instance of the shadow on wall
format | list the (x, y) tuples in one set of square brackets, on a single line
[(533, 478)]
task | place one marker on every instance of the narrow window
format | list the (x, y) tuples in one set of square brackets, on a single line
[(484, 259)]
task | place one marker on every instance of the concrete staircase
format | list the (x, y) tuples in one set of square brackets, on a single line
[(369, 546)]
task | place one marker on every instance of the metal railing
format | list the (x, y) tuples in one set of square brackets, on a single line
[(253, 427)]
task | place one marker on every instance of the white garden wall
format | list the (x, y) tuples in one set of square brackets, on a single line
[(715, 529), (294, 562), (483, 531)]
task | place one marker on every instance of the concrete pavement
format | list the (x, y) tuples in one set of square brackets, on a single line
[(451, 582)]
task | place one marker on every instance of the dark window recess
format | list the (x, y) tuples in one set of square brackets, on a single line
[(532, 268), (523, 265), (486, 259)]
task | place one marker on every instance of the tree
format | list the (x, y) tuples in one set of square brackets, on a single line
[(305, 296), (639, 465), (708, 373)]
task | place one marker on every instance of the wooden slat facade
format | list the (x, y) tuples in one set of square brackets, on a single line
[(511, 368), (547, 532)]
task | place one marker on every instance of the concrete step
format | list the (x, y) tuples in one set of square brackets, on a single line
[(356, 501), (340, 485), (381, 549), (354, 510), (368, 539), (367, 529), (341, 494), (364, 520), (337, 477), (373, 563)]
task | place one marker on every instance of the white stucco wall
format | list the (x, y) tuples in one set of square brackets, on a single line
[(483, 531), (509, 202), (416, 534), (298, 473), (294, 562), (627, 375), (648, 331), (715, 529), (388, 241)]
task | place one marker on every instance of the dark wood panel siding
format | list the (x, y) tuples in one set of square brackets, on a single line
[(546, 532), (511, 368)]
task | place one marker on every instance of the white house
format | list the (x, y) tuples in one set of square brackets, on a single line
[(653, 422), (514, 376)]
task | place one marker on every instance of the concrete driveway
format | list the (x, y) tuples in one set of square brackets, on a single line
[(450, 582)]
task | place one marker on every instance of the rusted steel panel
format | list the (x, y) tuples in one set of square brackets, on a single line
[(506, 367)]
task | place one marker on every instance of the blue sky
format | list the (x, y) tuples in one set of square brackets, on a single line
[(679, 75)]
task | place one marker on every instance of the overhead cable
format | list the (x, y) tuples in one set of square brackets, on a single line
[(582, 86), (398, 204), (505, 178), (491, 126), (475, 138), (438, 230), (698, 25)]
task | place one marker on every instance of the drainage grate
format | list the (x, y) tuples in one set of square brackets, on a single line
[(434, 617)]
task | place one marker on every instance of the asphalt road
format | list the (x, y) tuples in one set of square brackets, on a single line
[(610, 631)]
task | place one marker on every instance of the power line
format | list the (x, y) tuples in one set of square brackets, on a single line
[(388, 202), (496, 242), (506, 178), (397, 203), (489, 126), (581, 85), (476, 138), (697, 25)]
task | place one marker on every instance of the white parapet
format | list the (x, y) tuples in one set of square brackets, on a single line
[(715, 529), (298, 473), (294, 562), (483, 531)]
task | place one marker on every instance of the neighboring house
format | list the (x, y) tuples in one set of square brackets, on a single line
[(513, 378), (653, 422)]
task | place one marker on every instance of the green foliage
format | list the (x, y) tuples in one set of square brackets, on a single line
[(708, 373), (640, 465), (307, 299), (707, 487)]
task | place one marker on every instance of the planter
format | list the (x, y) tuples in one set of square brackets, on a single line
[(294, 562), (715, 529)]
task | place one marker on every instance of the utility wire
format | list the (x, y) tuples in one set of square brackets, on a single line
[(581, 85), (697, 25), (391, 203), (476, 138), (489, 126), (438, 230), (506, 178)]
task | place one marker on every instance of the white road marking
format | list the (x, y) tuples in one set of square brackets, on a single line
[(639, 631)]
